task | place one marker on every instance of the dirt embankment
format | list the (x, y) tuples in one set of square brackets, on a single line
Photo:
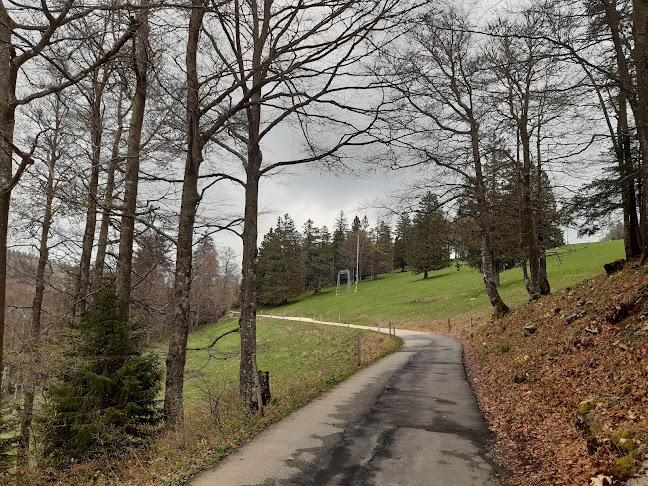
[(564, 381)]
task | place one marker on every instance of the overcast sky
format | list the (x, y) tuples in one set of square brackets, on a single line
[(309, 191)]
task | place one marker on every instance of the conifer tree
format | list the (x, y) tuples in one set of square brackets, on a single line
[(107, 390), (318, 257), (339, 235), (428, 248), (380, 255), (357, 225), (323, 268), (280, 265), (403, 226)]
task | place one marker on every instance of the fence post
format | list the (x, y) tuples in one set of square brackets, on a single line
[(449, 327), (358, 350)]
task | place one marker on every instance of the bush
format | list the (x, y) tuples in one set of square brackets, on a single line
[(107, 390), (8, 437)]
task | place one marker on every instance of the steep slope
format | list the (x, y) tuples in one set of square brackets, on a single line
[(563, 381)]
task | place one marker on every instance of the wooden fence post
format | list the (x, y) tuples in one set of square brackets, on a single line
[(358, 350)]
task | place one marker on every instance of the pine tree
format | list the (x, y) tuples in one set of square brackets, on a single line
[(364, 225), (280, 266), (107, 391), (310, 235), (380, 255), (339, 235), (403, 226), (318, 257), (356, 225), (428, 248)]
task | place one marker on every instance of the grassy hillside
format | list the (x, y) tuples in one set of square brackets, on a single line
[(448, 293)]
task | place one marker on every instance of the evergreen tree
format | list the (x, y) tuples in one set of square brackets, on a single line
[(107, 390), (381, 252), (550, 234), (428, 247), (310, 237), (339, 235), (364, 225), (280, 266), (356, 225), (318, 254), (350, 251), (403, 226)]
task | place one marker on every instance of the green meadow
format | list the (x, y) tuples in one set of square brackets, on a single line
[(303, 358), (449, 293)]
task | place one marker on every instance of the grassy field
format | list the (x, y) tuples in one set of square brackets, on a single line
[(303, 358), (448, 293)]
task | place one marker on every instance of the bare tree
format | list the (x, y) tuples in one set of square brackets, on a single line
[(108, 209), (176, 357), (528, 69), (442, 108), (271, 62), (93, 93), (295, 62), (29, 37), (140, 63), (54, 141)]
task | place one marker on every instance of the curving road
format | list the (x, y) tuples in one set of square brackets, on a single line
[(410, 419)]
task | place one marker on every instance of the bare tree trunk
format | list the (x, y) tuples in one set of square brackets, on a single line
[(543, 278), (247, 322), (131, 176), (495, 272), (176, 358), (96, 134), (525, 275), (499, 307), (626, 174), (31, 349), (529, 224), (102, 240), (7, 123), (640, 34)]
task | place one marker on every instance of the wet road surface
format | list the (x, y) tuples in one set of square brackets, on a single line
[(411, 419)]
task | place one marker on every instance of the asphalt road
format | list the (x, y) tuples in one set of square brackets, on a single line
[(410, 419)]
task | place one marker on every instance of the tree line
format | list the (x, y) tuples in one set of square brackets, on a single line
[(293, 262), (122, 123), (424, 240)]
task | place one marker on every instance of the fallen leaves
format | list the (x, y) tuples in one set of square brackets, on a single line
[(531, 393)]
